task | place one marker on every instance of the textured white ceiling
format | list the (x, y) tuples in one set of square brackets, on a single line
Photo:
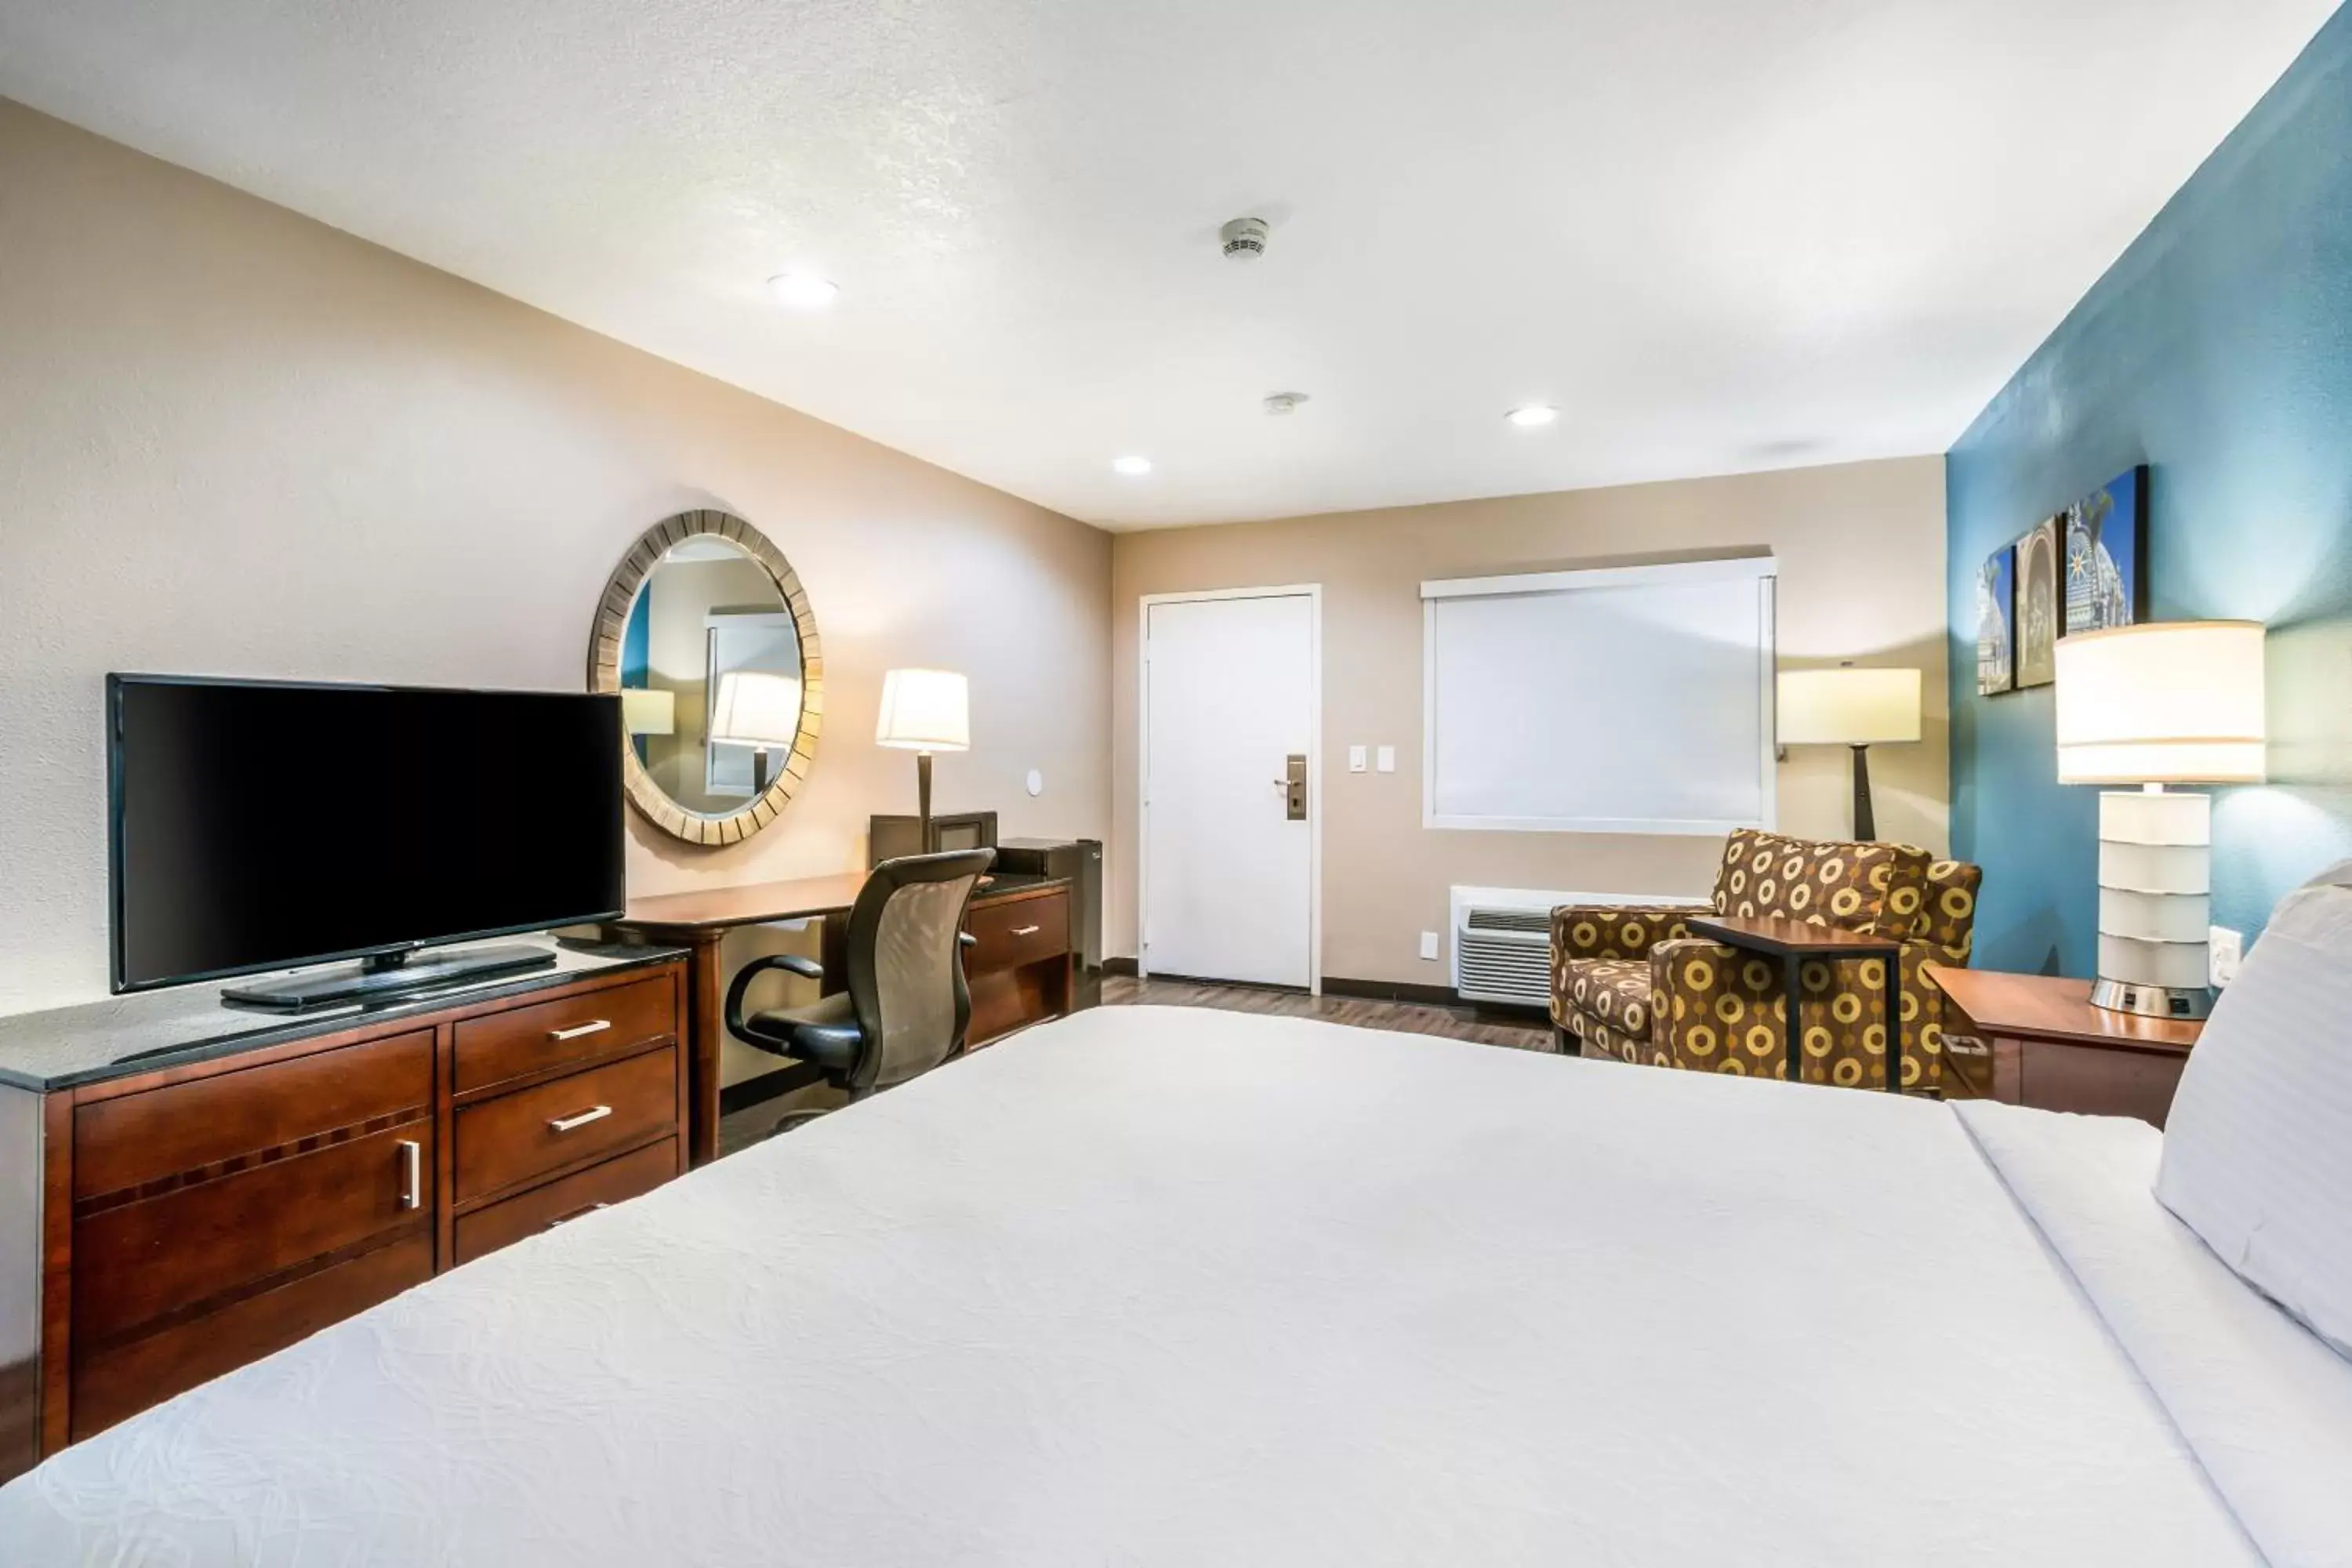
[(1721, 235)]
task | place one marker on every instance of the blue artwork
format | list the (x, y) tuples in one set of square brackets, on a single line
[(2107, 539), (1996, 608)]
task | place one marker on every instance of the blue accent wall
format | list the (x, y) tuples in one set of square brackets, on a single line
[(2218, 352)]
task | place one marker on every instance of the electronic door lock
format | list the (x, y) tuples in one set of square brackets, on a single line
[(1294, 784)]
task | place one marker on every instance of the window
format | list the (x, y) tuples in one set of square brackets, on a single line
[(1619, 699)]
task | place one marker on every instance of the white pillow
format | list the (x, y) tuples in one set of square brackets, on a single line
[(2258, 1148)]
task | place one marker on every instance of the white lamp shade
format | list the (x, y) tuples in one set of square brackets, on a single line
[(925, 710), (755, 708), (649, 712), (2166, 702), (1848, 707)]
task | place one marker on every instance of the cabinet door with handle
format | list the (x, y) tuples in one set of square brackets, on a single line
[(215, 1235)]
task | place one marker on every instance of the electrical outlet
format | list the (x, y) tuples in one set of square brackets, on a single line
[(1429, 945), (2225, 949), (1355, 759), (1387, 759)]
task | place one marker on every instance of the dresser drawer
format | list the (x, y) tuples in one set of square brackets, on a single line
[(532, 1039), (137, 1261), (1008, 935), (113, 1385), (567, 1198), (138, 1138), (518, 1137)]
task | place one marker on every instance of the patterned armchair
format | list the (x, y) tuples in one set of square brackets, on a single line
[(1634, 984)]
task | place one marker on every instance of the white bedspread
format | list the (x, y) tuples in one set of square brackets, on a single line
[(2265, 1404), (1156, 1287)]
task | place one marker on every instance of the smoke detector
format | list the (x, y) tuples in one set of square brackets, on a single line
[(1285, 402), (1244, 238)]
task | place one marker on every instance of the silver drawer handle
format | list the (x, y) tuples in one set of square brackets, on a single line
[(592, 1027), (411, 1173), (567, 1124), (1027, 930), (576, 1214)]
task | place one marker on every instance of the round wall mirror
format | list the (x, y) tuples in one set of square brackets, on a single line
[(706, 634)]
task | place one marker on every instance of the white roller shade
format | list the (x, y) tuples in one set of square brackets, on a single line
[(1628, 699)]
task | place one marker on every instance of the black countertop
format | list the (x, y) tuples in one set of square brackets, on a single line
[(122, 1036)]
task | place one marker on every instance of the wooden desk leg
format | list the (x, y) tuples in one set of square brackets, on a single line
[(706, 998), (1792, 983)]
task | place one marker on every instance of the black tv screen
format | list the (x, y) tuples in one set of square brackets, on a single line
[(261, 826)]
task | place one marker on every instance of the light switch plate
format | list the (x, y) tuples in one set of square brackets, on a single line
[(1429, 945), (2225, 950), (1387, 759), (1355, 759)]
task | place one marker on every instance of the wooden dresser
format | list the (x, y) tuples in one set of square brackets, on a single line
[(208, 1186)]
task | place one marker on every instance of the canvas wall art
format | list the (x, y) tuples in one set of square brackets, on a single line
[(2107, 540), (2040, 604), (1996, 615)]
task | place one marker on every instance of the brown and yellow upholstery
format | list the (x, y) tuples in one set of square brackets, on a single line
[(1675, 1000)]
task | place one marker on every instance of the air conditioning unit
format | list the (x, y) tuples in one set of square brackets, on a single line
[(1502, 940)]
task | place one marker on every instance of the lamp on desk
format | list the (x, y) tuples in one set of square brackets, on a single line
[(760, 709), (925, 710), (1850, 707), (646, 712), (2165, 702)]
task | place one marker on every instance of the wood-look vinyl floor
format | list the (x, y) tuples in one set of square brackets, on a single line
[(1405, 1018)]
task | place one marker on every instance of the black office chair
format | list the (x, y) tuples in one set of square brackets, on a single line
[(906, 1007)]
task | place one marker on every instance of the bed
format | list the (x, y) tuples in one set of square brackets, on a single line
[(1160, 1286)]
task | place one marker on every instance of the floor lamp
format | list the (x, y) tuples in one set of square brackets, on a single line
[(2165, 702), (1850, 707), (924, 710)]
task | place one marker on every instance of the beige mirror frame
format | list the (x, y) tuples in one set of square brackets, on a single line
[(604, 674)]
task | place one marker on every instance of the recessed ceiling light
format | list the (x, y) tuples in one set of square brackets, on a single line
[(802, 290), (1532, 416), (1131, 465)]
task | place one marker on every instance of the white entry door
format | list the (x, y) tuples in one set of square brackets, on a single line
[(1230, 699)]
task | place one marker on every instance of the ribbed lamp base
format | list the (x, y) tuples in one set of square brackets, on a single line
[(2156, 862)]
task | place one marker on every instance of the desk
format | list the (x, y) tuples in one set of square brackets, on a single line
[(1012, 984), (1792, 942)]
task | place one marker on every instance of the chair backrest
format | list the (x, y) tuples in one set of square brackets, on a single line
[(906, 964), (1878, 890)]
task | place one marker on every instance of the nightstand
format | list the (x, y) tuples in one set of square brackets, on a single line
[(2036, 1039)]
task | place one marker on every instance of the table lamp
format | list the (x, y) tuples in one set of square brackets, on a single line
[(924, 710), (757, 709), (2166, 702), (1850, 707), (647, 712)]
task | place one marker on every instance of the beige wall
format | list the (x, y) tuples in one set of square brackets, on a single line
[(1861, 560), (234, 441)]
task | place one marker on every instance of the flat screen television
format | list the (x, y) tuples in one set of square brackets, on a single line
[(257, 825)]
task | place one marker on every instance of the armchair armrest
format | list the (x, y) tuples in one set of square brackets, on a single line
[(789, 962), (1617, 931)]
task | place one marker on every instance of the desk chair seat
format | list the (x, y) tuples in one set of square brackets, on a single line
[(906, 1007), (824, 1033)]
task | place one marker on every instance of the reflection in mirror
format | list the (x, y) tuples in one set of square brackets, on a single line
[(710, 677)]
